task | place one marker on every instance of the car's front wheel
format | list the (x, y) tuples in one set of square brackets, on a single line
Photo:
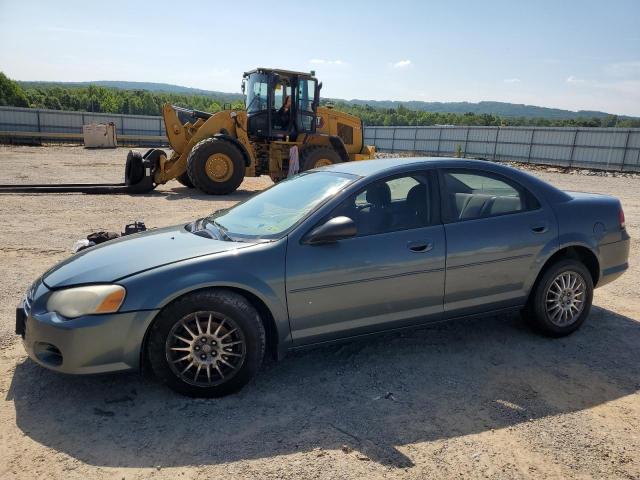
[(207, 344), (561, 299)]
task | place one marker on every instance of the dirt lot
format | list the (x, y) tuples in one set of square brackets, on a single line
[(481, 398)]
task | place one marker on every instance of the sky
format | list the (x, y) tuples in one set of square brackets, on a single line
[(576, 55)]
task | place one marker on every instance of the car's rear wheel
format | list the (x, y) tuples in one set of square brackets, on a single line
[(561, 300), (207, 344)]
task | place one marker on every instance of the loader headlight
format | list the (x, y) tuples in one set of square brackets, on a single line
[(89, 300)]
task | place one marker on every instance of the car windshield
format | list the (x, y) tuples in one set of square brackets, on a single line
[(271, 213)]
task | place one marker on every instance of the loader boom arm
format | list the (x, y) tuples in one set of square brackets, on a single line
[(184, 136)]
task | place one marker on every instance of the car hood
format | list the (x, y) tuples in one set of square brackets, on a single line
[(132, 254)]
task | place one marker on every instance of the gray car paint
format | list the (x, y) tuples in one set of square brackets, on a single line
[(318, 293), (119, 258)]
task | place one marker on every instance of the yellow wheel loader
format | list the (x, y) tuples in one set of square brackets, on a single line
[(215, 151)]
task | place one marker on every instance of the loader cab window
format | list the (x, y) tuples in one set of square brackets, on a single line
[(257, 93), (281, 111), (306, 102), (281, 92)]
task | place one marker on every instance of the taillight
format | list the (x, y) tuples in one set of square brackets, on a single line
[(621, 217)]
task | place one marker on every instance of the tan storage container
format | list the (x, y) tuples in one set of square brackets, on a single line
[(100, 135)]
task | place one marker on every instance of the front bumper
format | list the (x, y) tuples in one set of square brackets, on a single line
[(84, 345)]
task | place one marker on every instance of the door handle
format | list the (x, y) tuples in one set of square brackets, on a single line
[(420, 247), (539, 228)]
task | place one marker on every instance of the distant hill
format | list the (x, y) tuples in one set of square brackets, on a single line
[(150, 86), (502, 109)]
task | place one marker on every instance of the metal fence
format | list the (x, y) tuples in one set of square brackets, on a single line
[(600, 148), (28, 123)]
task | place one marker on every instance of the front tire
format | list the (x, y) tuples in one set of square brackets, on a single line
[(561, 299), (207, 344), (216, 166)]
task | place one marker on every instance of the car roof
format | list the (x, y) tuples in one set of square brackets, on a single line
[(389, 166), (365, 168)]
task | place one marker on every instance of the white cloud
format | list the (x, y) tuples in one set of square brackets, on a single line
[(574, 80), (401, 64), (322, 61), (512, 80)]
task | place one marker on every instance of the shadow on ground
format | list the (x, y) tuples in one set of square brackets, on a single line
[(179, 193), (436, 383)]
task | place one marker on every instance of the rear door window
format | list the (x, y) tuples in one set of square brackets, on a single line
[(472, 194)]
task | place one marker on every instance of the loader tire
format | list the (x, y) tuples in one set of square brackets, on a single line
[(318, 156), (215, 166), (185, 180), (134, 168)]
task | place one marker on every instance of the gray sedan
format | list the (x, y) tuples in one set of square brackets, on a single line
[(333, 253)]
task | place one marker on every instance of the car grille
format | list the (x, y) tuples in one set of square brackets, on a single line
[(28, 299), (27, 304), (23, 310), (29, 296)]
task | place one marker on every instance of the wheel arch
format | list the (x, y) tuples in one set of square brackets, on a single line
[(339, 146), (266, 317), (330, 141), (579, 252)]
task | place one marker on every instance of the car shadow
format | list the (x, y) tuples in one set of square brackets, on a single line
[(180, 193), (373, 395)]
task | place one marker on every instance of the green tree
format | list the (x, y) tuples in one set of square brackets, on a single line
[(12, 94)]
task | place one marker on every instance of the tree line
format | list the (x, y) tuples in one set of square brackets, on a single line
[(403, 116), (101, 99), (143, 102)]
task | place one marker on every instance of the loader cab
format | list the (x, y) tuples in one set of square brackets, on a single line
[(266, 93)]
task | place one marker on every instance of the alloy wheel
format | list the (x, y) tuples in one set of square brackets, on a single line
[(205, 349), (565, 298)]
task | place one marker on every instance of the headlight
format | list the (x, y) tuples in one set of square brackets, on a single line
[(92, 299)]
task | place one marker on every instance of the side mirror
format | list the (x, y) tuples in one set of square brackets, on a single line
[(331, 231)]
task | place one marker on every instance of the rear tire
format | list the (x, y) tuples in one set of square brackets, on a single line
[(318, 156), (216, 166), (215, 358), (561, 299)]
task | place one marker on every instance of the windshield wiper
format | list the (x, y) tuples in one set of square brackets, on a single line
[(223, 231)]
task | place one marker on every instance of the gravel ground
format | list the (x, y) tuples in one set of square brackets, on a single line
[(470, 399)]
